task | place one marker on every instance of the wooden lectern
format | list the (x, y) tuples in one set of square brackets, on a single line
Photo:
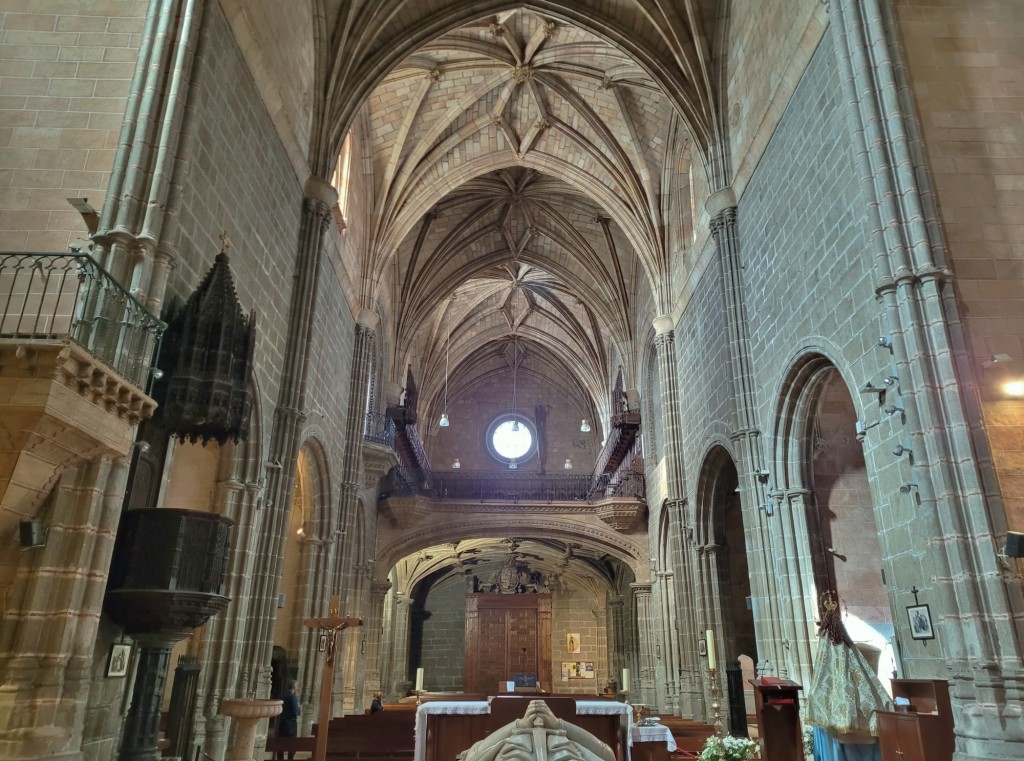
[(777, 702)]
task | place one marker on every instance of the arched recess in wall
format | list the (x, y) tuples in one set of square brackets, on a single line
[(825, 473), (301, 591), (724, 564)]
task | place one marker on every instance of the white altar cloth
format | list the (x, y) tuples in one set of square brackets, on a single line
[(477, 707), (652, 734)]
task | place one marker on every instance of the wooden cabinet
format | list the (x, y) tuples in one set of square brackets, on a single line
[(777, 702), (923, 733)]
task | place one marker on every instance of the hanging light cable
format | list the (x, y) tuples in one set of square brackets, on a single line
[(447, 350), (515, 367)]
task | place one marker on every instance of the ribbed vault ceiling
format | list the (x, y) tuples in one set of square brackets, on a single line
[(520, 185), (524, 164)]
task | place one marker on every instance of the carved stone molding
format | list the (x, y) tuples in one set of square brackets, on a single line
[(60, 406)]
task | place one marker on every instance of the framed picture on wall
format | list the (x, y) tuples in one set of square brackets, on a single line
[(702, 647), (120, 654), (572, 643), (323, 642), (920, 622)]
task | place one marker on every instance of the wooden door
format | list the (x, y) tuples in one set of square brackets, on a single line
[(506, 635)]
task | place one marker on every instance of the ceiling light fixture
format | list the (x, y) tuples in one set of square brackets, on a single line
[(568, 463), (585, 425)]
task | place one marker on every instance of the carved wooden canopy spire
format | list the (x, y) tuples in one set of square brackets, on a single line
[(207, 359)]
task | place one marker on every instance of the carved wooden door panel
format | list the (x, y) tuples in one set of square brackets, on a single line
[(506, 635)]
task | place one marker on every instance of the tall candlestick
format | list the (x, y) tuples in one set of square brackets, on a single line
[(419, 679), (712, 663), (625, 680)]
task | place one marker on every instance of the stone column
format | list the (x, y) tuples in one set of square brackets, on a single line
[(975, 602), (616, 623), (797, 587), (645, 690), (289, 419), (372, 636), (49, 637), (680, 522), (221, 675), (668, 640), (400, 684), (710, 581), (746, 435)]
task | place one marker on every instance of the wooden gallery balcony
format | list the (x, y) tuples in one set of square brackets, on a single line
[(408, 495), (75, 363)]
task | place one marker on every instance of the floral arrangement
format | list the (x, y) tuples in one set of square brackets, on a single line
[(729, 749)]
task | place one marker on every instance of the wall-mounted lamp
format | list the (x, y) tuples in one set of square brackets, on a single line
[(907, 488), (568, 463), (899, 450), (885, 342), (31, 534), (762, 476), (301, 533), (892, 410), (1004, 376), (1014, 544), (273, 464), (585, 426), (142, 446), (456, 464), (512, 464), (156, 372), (890, 380), (871, 388)]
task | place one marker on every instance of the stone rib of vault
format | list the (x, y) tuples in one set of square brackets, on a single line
[(539, 736)]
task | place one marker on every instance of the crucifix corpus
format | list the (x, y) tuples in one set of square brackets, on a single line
[(330, 625)]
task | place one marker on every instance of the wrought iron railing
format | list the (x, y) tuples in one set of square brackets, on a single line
[(71, 296), (509, 486), (379, 429), (514, 487)]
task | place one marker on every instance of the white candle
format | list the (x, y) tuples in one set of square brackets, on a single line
[(625, 680), (419, 679), (711, 649)]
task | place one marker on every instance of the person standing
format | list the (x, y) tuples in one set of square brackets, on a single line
[(288, 721)]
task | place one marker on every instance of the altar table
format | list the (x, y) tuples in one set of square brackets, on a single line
[(452, 726)]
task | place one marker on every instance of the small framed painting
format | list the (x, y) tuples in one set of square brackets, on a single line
[(572, 643), (120, 654), (920, 622)]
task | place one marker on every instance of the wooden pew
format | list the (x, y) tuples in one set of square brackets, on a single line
[(382, 736)]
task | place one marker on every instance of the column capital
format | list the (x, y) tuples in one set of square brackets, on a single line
[(367, 318), (641, 588), (720, 201), (380, 587), (664, 325), (319, 189)]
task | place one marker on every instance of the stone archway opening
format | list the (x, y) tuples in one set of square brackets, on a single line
[(845, 546)]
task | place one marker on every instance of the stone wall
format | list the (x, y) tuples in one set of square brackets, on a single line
[(579, 611), (472, 412), (809, 288), (67, 70), (442, 651), (967, 81)]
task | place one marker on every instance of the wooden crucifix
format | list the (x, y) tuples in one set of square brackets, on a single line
[(330, 626)]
